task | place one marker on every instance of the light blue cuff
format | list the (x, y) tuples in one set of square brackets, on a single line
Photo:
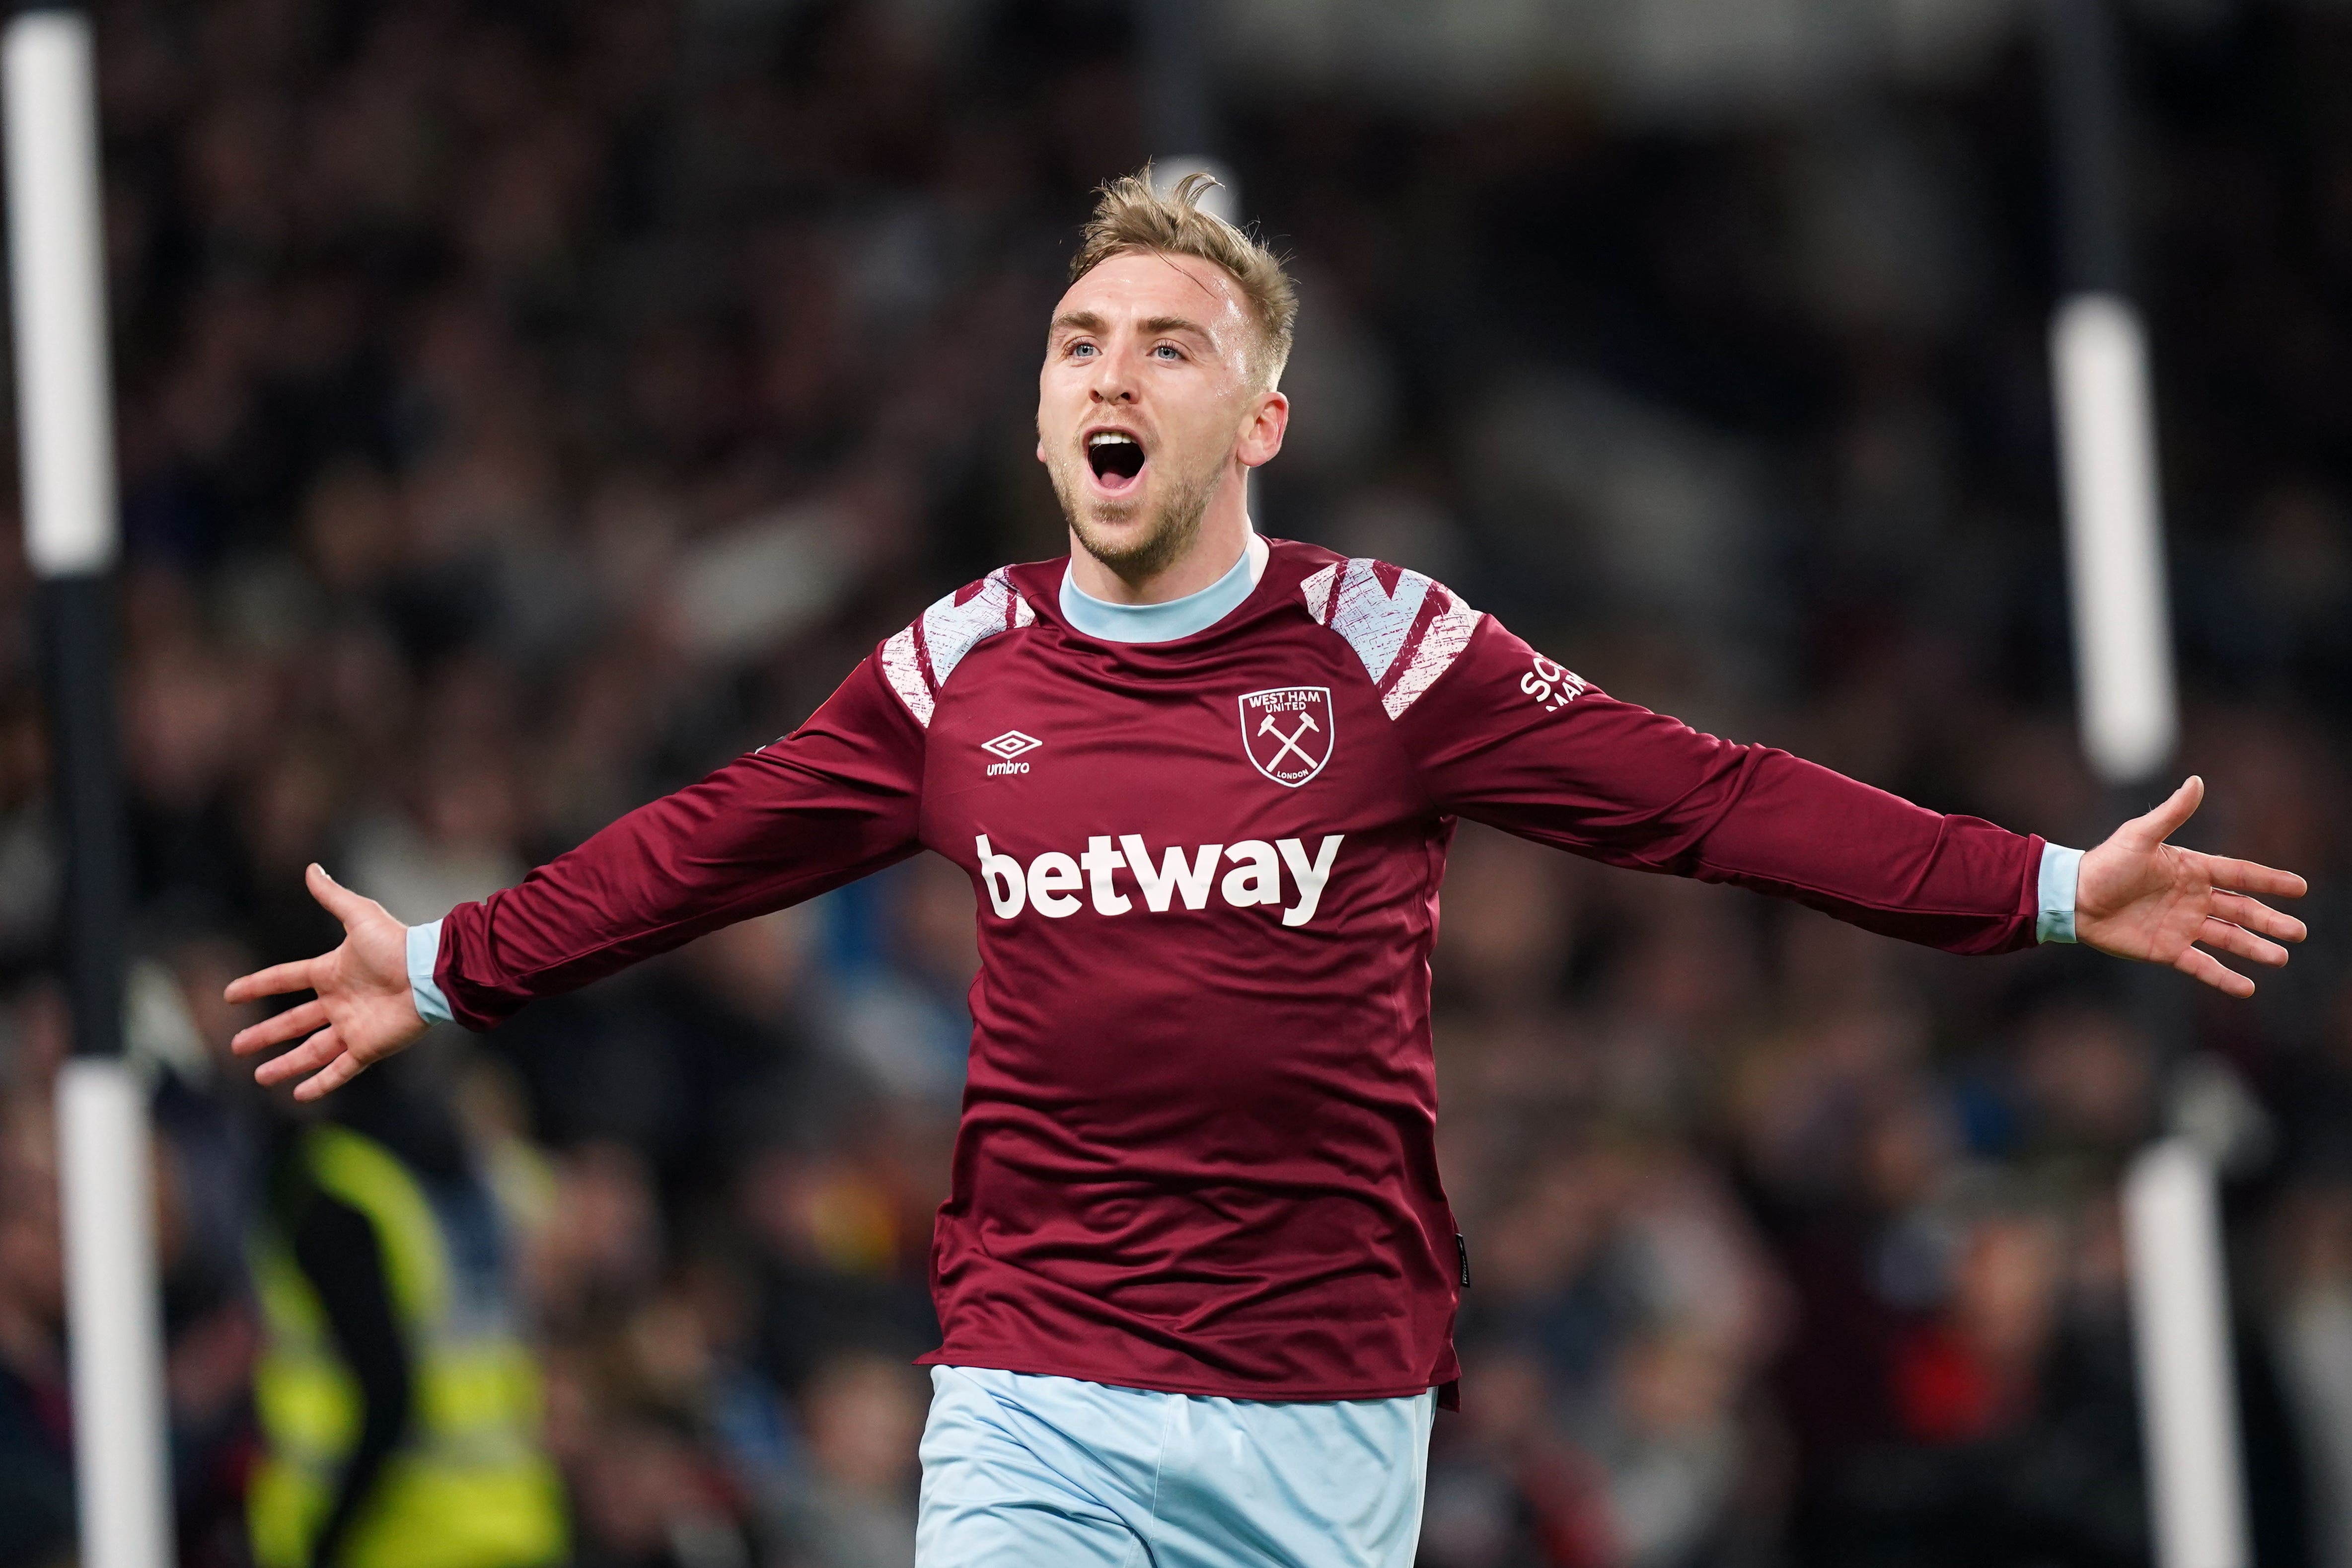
[(2061, 869), (425, 952)]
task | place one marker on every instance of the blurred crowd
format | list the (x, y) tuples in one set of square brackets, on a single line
[(527, 405)]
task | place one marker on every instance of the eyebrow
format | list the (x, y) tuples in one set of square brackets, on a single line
[(1175, 324), (1087, 321)]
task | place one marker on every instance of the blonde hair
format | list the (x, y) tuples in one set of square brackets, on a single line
[(1129, 216)]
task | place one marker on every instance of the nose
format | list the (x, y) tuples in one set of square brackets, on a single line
[(1115, 380)]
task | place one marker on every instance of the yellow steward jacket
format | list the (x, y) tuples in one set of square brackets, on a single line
[(469, 1485)]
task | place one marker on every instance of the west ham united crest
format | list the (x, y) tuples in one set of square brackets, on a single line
[(1288, 732)]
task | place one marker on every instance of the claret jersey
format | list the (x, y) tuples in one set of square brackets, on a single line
[(1197, 1152)]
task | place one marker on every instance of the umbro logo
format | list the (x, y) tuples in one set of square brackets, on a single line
[(1005, 748)]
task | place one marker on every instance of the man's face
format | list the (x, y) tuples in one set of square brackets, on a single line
[(1148, 403)]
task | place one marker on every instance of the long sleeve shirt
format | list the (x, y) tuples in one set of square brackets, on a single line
[(1197, 1148)]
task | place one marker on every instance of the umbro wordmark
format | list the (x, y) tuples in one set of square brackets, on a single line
[(1006, 749)]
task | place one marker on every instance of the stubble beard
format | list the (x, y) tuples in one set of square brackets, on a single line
[(1174, 526)]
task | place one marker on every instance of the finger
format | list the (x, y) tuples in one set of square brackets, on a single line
[(336, 1074), (2179, 807), (2199, 964), (292, 1024), (275, 981), (2246, 877), (339, 900), (2255, 915), (2223, 937), (310, 1056)]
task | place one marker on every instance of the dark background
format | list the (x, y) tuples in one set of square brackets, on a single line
[(524, 407)]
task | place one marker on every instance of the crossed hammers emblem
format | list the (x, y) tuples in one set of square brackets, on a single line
[(1290, 742)]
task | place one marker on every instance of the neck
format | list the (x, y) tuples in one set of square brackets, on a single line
[(1224, 535)]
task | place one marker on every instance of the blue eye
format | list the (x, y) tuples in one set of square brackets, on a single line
[(1076, 349), (1168, 351)]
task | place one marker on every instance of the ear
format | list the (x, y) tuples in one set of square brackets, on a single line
[(1261, 436), (1041, 451)]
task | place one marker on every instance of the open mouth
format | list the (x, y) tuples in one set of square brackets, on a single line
[(1117, 458)]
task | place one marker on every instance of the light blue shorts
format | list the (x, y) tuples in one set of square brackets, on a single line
[(1021, 1471)]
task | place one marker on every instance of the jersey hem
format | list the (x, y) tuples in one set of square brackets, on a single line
[(1257, 1393)]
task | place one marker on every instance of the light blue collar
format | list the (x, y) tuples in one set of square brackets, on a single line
[(1176, 618)]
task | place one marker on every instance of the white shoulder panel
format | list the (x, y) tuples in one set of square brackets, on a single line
[(902, 667), (950, 629), (1406, 636), (1373, 619), (1441, 642), (1317, 590), (918, 660)]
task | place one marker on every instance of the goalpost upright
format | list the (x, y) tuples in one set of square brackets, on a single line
[(66, 453), (2130, 726)]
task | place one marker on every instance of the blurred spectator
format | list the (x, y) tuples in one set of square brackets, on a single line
[(855, 1508), (398, 1405), (2311, 1319), (36, 1495)]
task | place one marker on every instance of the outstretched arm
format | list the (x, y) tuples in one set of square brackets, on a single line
[(2139, 897), (835, 799), (1511, 738)]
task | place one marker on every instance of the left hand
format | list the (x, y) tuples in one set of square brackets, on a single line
[(2141, 898)]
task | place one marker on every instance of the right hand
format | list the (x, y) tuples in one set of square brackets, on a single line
[(363, 1011)]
